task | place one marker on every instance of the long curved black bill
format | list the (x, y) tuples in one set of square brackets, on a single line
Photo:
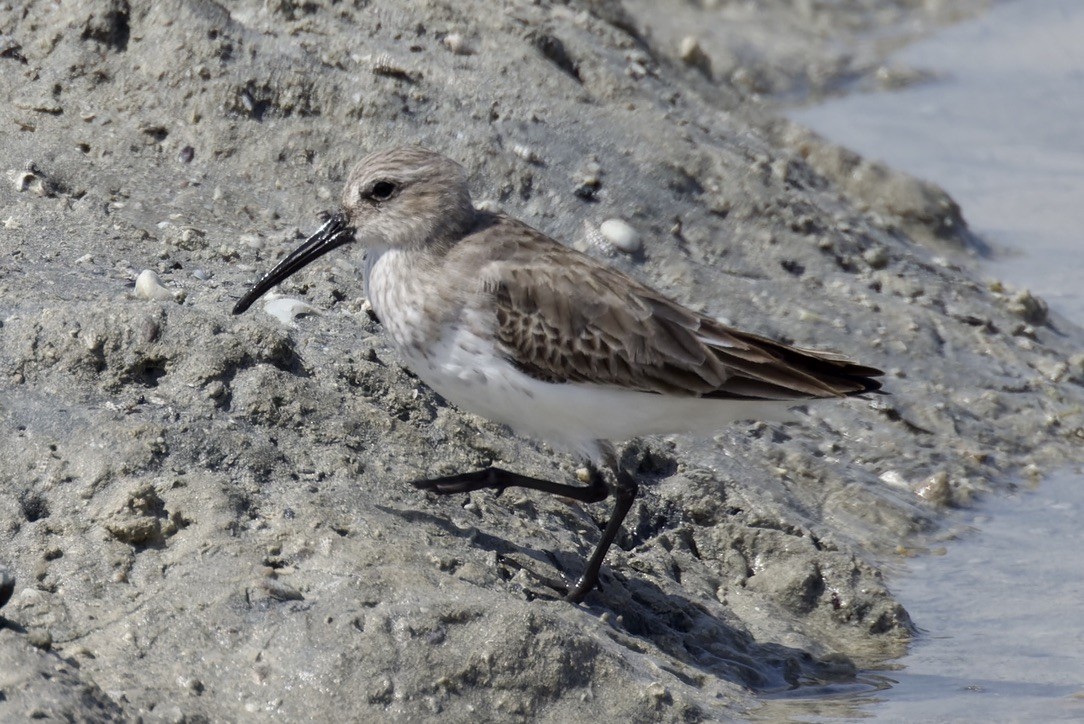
[(334, 233)]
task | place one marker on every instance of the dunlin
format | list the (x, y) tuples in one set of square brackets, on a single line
[(503, 321)]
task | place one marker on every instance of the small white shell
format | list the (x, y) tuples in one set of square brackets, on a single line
[(458, 44), (28, 180), (22, 179), (285, 309), (149, 286), (622, 235), (895, 479), (693, 55), (385, 65), (526, 153)]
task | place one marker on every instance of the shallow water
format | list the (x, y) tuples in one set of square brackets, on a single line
[(1001, 619), (1003, 616), (1001, 131), (1002, 611)]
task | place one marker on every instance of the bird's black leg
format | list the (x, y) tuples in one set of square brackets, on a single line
[(498, 479), (595, 491), (624, 494)]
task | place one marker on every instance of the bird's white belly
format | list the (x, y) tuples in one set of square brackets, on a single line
[(467, 370)]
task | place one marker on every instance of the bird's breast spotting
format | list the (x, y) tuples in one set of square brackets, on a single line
[(401, 301)]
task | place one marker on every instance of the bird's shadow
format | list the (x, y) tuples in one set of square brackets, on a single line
[(642, 616)]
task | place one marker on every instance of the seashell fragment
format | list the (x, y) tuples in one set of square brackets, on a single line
[(621, 235), (149, 286), (285, 309)]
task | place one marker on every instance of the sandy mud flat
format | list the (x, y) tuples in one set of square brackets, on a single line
[(206, 517)]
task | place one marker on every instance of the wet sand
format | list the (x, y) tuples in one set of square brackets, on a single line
[(207, 516)]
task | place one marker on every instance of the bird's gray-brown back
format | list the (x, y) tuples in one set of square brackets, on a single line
[(562, 316)]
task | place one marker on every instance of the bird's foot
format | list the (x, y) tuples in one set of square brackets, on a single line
[(583, 586), (545, 587)]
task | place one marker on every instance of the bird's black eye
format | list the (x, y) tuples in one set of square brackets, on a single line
[(383, 190)]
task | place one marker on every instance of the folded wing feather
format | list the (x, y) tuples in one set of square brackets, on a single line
[(561, 316)]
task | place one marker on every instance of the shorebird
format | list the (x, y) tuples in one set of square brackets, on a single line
[(505, 322)]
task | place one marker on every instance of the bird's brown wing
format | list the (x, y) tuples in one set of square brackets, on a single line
[(561, 316)]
